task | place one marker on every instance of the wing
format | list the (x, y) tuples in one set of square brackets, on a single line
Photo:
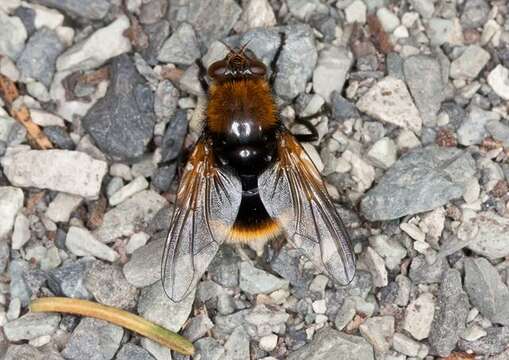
[(293, 191), (207, 203)]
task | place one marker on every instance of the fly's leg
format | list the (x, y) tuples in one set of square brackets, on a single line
[(273, 63), (202, 74), (313, 133)]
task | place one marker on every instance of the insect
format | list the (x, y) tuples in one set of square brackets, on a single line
[(249, 179)]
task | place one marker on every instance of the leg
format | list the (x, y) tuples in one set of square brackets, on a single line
[(273, 63), (202, 73), (313, 136)]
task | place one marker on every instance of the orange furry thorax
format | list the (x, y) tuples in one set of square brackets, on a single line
[(247, 98)]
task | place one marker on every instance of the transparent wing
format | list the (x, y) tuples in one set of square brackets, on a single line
[(207, 203), (293, 191)]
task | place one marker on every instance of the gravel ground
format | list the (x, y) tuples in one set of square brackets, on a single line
[(414, 143)]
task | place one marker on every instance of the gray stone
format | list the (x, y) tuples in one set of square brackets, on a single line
[(224, 268), (424, 79), (237, 345), (209, 348), (157, 34), (93, 339), (144, 266), (498, 80), (60, 170), (92, 10), (174, 136), (163, 177), (59, 137), (31, 326), (345, 314), (181, 47), (394, 64), (297, 61), (451, 315), (154, 305), (108, 286), (405, 345), (4, 255), (378, 331), (166, 100), (60, 209), (18, 286), (131, 216), (133, 352), (376, 266), (419, 181), (342, 109), (389, 101), (331, 344), (28, 352), (493, 343), (499, 131), (122, 122), (255, 281), (491, 235), (14, 34), (470, 63), (331, 70), (475, 13), (38, 59), (153, 11), (423, 273), (27, 16), (305, 9), (21, 233), (211, 19), (11, 201), (69, 280), (82, 243), (419, 316), (445, 31), (486, 290), (262, 321), (423, 7), (473, 129), (198, 327)]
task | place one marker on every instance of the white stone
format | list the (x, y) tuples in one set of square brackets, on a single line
[(401, 32), (73, 172), (14, 35), (473, 333), (388, 19), (9, 5), (60, 209), (45, 17), (390, 249), (65, 34), (383, 153), (376, 266), (122, 171), (268, 343), (44, 118), (441, 31), (98, 48), (407, 140), (413, 231), (331, 70), (136, 241), (472, 191), (405, 345), (356, 12), (319, 306), (490, 31), (469, 64), (419, 316), (499, 81), (389, 100), (37, 90), (423, 7), (258, 13), (362, 172), (135, 186), (378, 331), (9, 69), (21, 233), (82, 243), (11, 201)]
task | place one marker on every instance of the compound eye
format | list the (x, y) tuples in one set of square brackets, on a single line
[(258, 68), (217, 70)]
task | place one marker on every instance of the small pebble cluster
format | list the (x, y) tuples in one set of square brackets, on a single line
[(411, 103)]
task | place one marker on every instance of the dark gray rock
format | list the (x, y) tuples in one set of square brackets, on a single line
[(197, 327), (69, 280), (394, 64), (92, 10), (496, 341), (450, 318), (486, 290), (224, 268), (38, 59), (108, 286), (419, 181), (286, 264), (133, 352), (27, 16), (157, 34), (4, 255), (209, 348), (144, 267), (424, 79), (181, 47), (174, 137), (455, 112), (166, 100), (342, 109), (475, 14), (153, 11), (164, 176), (122, 122), (211, 19), (423, 273), (331, 344), (59, 137), (93, 339)]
